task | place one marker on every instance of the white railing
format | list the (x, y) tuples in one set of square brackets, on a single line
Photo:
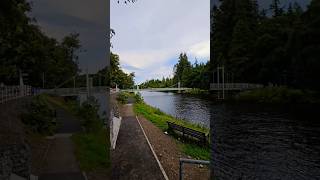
[(8, 93), (234, 86)]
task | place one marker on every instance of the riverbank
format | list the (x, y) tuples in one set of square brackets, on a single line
[(278, 95), (268, 95)]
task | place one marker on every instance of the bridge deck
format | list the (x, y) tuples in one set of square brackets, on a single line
[(157, 89)]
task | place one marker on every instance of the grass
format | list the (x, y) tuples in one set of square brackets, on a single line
[(92, 149), (196, 151), (159, 118)]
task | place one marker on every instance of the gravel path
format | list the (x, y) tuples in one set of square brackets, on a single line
[(132, 159), (60, 161), (169, 153)]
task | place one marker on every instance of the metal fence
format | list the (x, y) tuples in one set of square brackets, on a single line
[(8, 93), (190, 161)]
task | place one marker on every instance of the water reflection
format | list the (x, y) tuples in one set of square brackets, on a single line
[(192, 109), (265, 142)]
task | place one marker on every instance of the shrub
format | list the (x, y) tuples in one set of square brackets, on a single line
[(40, 116), (122, 97), (138, 98), (88, 112)]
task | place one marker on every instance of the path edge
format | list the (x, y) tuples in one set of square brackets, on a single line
[(153, 152)]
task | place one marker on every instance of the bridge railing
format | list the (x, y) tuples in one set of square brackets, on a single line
[(70, 91), (234, 86), (8, 93)]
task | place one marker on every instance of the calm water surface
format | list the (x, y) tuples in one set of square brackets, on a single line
[(253, 141), (192, 109)]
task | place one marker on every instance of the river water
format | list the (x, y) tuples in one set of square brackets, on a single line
[(251, 141), (192, 109)]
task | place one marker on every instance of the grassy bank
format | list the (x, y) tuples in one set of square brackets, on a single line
[(159, 118), (282, 95)]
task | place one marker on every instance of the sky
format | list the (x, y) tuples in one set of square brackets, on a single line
[(58, 18), (150, 35)]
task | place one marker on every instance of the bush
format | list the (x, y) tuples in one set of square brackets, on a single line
[(122, 97), (88, 112), (138, 98), (40, 116)]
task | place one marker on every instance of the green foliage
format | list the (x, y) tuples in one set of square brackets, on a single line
[(92, 149), (122, 97), (277, 95), (281, 49), (25, 47), (138, 98), (195, 75), (195, 151), (88, 112), (117, 76), (40, 116)]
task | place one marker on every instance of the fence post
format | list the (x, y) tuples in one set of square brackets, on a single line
[(181, 170)]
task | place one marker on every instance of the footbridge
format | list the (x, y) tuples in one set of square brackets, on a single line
[(175, 87), (156, 89)]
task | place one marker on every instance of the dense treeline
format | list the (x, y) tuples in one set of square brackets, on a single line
[(279, 46), (24, 48), (189, 75), (117, 75)]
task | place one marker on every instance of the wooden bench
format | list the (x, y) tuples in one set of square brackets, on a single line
[(201, 136)]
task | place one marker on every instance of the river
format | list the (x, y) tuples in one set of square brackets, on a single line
[(252, 141)]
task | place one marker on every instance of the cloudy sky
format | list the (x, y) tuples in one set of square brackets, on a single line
[(58, 18), (150, 35)]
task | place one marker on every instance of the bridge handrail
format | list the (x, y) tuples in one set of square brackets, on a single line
[(8, 93)]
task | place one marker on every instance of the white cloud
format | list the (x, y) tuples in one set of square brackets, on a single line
[(151, 34), (144, 59), (201, 49)]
